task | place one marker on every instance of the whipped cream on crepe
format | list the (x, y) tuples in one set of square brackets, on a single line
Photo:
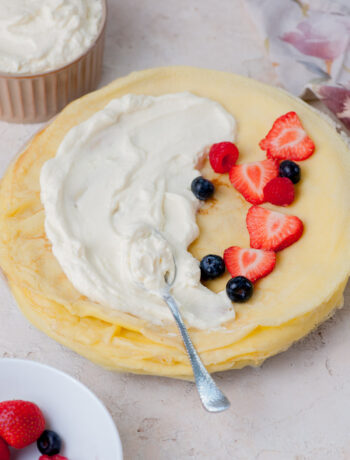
[(41, 35), (119, 209)]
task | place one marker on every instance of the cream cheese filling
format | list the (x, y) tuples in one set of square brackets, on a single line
[(41, 35), (119, 208)]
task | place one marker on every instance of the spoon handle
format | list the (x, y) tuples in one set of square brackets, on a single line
[(211, 396)]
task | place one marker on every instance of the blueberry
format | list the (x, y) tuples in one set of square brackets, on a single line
[(49, 443), (291, 170), (211, 267), (239, 289), (202, 188)]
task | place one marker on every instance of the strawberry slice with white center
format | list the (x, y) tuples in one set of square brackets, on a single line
[(251, 263), (287, 139), (250, 179), (272, 230)]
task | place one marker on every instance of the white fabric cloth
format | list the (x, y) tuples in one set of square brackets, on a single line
[(308, 43)]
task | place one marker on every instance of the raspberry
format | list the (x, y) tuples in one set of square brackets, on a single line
[(279, 191), (223, 156)]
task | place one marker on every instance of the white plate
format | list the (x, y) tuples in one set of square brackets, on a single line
[(86, 427)]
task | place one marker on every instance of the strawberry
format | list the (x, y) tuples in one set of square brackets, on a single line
[(21, 423), (279, 191), (223, 156), (271, 230), (287, 139), (4, 450), (251, 263), (250, 179), (52, 457)]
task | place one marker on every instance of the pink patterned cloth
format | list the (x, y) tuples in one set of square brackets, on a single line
[(308, 43)]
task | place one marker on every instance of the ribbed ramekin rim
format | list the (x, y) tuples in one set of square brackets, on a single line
[(18, 76)]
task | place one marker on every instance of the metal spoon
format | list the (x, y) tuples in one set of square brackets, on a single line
[(211, 396)]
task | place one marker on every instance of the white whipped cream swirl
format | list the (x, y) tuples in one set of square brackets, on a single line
[(119, 207), (41, 35)]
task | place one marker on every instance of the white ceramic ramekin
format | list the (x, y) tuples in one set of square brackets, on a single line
[(33, 98)]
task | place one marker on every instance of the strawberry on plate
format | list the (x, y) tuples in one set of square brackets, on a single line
[(250, 179), (287, 139), (21, 423), (4, 450), (52, 457), (251, 263), (271, 230)]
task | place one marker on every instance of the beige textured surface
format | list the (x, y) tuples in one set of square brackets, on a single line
[(297, 405)]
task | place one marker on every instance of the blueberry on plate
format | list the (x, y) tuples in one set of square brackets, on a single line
[(49, 443), (211, 267), (202, 188), (239, 289), (290, 170)]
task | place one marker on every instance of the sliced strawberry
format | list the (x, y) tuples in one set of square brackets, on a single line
[(272, 230), (287, 139), (223, 156), (251, 263), (250, 179)]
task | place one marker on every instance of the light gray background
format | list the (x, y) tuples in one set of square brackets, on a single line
[(297, 406)]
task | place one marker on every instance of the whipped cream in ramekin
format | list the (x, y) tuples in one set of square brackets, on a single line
[(119, 207), (41, 35)]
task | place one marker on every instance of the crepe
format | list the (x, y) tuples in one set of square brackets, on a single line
[(304, 289)]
